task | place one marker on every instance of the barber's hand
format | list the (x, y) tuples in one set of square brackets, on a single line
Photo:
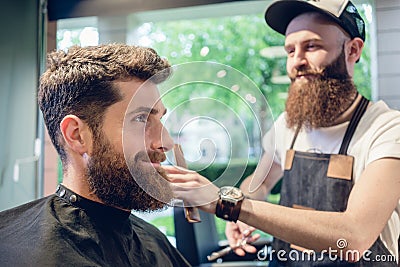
[(192, 188), (236, 232)]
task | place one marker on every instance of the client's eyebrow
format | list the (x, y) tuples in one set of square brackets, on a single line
[(152, 111)]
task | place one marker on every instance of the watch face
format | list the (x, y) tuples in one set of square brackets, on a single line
[(231, 192)]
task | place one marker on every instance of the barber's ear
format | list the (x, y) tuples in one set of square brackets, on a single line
[(76, 134), (355, 49)]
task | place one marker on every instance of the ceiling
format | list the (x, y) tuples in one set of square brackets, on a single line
[(62, 9)]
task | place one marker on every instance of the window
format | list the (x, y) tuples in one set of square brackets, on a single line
[(231, 34)]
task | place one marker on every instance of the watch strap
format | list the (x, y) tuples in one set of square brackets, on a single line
[(228, 210)]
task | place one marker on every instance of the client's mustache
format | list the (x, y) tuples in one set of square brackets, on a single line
[(150, 156)]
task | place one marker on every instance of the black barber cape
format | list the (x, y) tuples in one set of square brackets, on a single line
[(66, 229)]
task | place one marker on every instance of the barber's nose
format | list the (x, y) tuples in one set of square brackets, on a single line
[(299, 60)]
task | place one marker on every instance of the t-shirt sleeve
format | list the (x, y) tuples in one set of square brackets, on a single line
[(274, 138), (386, 140)]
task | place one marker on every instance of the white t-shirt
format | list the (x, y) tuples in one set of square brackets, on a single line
[(377, 136)]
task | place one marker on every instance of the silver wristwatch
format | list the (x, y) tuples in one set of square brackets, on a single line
[(229, 203)]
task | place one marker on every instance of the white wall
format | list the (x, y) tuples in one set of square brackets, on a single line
[(18, 113), (388, 51)]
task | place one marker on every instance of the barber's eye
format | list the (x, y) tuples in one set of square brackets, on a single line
[(141, 118), (289, 51), (311, 46)]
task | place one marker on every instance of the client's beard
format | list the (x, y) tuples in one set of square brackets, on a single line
[(319, 102), (140, 187)]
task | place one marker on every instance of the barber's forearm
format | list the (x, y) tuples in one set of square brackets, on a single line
[(314, 230), (259, 194), (366, 214)]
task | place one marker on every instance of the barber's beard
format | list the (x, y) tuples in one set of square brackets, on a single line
[(318, 102), (140, 187)]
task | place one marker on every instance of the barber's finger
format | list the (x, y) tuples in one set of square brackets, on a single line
[(184, 186), (249, 248), (239, 252), (195, 180), (179, 178), (175, 169), (255, 237), (245, 229), (246, 232)]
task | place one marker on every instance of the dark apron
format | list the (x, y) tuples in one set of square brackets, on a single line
[(321, 182)]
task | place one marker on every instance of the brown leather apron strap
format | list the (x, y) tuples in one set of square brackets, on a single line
[(295, 136), (355, 119)]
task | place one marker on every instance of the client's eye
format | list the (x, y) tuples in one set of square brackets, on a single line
[(141, 118)]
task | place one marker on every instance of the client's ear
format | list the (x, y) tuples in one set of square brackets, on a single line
[(76, 134)]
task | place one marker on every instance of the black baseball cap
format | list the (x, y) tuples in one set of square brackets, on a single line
[(280, 13)]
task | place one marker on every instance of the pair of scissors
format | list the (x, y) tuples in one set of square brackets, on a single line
[(220, 253)]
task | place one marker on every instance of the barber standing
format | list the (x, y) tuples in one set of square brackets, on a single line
[(337, 153)]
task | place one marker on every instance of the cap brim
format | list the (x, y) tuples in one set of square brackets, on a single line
[(279, 14)]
